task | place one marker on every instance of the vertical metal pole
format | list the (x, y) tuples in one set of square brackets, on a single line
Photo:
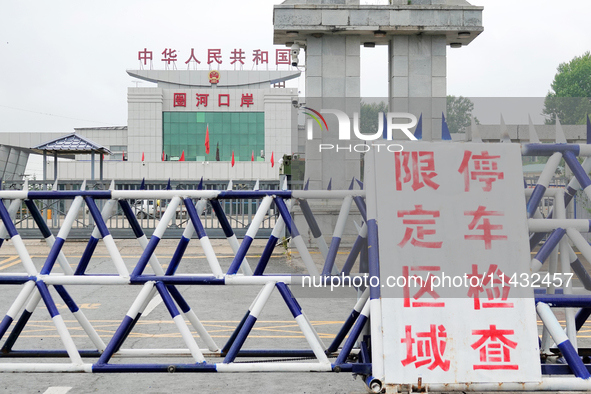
[(45, 184), (55, 166), (44, 167), (92, 166), (102, 159)]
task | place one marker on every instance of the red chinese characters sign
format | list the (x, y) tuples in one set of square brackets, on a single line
[(215, 57), (453, 231), (209, 100)]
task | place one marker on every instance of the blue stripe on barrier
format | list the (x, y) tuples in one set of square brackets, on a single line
[(16, 331), (152, 368), (240, 338), (240, 254), (172, 309), (145, 257), (86, 256), (578, 171), (5, 216), (548, 149), (573, 360), (284, 212), (374, 259), (222, 219), (44, 291), (361, 206), (559, 369), (98, 218), (6, 322), (176, 294), (232, 338), (569, 194), (264, 260), (177, 256), (15, 279), (363, 369), (581, 273), (343, 331), (581, 317), (38, 218), (116, 340), (364, 355), (310, 219), (353, 255), (61, 290), (135, 226), (52, 256), (331, 256), (195, 218), (566, 301), (291, 303), (68, 194), (550, 244), (128, 329), (543, 291), (535, 199), (350, 341)]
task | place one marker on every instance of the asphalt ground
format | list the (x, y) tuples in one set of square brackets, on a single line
[(220, 308)]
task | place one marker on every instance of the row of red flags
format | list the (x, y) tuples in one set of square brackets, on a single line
[(182, 158)]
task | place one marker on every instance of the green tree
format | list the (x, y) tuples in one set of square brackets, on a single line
[(368, 118), (459, 112), (571, 92)]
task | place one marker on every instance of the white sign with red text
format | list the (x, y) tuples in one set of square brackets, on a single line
[(453, 251)]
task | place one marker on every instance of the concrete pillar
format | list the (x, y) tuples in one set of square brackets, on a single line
[(332, 82), (417, 68)]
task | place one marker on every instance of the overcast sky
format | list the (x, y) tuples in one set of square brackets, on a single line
[(63, 63)]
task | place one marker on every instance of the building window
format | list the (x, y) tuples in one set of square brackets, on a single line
[(118, 152), (241, 132)]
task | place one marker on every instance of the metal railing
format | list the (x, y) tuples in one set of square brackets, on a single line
[(239, 211)]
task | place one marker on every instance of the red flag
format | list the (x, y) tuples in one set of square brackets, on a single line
[(272, 160), (123, 156), (207, 140), (142, 156), (163, 156), (182, 156), (233, 161), (252, 157)]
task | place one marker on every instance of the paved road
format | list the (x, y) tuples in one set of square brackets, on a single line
[(219, 308)]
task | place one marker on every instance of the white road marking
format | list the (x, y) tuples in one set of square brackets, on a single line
[(152, 304), (57, 390)]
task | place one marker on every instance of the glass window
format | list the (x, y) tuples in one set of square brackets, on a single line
[(241, 132)]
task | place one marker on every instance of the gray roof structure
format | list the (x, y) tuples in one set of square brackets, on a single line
[(71, 144)]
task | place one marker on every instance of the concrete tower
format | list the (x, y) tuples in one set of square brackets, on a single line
[(417, 33)]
